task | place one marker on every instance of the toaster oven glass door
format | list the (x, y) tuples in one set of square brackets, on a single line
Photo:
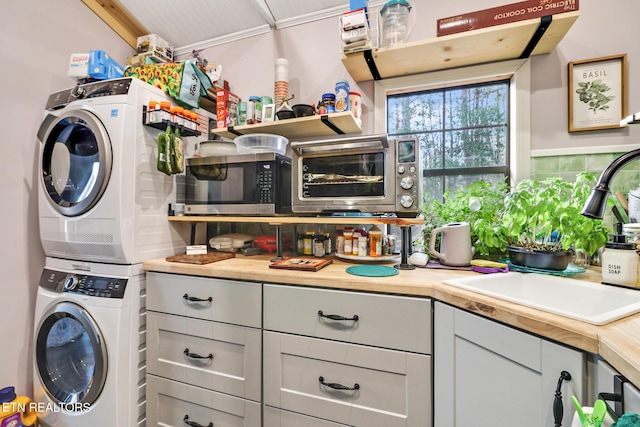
[(348, 175)]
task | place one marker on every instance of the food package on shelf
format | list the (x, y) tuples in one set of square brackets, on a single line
[(97, 64), (155, 47), (226, 108)]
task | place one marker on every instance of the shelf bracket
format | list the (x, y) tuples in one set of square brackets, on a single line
[(233, 131), (278, 243), (545, 22), (368, 57), (325, 119)]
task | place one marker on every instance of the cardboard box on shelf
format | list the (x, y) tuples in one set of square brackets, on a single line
[(96, 64), (226, 108)]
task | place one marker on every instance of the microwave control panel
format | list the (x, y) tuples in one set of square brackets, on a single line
[(408, 179), (266, 181)]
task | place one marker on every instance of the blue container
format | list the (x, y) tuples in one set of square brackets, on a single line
[(342, 95)]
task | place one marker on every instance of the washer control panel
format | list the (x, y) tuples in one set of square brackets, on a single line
[(96, 286)]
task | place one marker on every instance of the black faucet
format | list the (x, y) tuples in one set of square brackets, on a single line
[(597, 201)]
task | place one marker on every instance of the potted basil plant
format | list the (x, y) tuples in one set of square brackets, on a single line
[(542, 223)]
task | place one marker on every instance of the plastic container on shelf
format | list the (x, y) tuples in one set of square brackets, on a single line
[(342, 95), (262, 143), (395, 22), (355, 105)]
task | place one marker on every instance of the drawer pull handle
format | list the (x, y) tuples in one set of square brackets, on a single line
[(336, 386), (196, 355), (196, 299), (337, 317), (193, 423)]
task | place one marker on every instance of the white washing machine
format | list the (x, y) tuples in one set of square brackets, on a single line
[(90, 344), (100, 197)]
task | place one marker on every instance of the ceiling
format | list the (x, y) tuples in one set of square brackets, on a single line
[(196, 24)]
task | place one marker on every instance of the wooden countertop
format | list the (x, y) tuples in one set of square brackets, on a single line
[(617, 342)]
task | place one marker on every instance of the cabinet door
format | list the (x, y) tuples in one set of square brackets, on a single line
[(486, 373), (179, 349), (171, 404), (393, 387)]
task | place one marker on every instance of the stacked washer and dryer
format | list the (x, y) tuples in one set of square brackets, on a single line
[(103, 211)]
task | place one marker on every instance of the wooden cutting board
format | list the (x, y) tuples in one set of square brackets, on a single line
[(202, 258)]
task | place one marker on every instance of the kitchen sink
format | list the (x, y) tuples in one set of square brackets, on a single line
[(589, 302)]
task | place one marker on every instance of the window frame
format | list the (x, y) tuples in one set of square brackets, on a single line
[(516, 71)]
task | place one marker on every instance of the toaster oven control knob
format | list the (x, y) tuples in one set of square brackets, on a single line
[(406, 201), (406, 183), (400, 169)]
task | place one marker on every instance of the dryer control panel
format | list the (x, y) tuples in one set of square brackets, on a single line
[(98, 286)]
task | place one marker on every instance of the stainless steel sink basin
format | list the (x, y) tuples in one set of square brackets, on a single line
[(589, 302)]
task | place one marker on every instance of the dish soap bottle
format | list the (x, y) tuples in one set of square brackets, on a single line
[(620, 261)]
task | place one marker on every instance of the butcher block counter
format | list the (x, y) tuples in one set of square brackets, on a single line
[(617, 342)]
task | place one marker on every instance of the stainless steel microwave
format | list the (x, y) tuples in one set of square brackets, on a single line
[(372, 174), (238, 184)]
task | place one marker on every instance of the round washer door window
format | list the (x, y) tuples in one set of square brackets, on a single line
[(71, 355), (76, 162)]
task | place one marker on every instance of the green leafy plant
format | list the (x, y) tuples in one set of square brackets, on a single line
[(478, 204), (546, 215), (535, 214), (592, 94)]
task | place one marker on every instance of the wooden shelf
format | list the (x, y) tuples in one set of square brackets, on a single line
[(284, 220), (502, 42), (278, 221), (301, 127)]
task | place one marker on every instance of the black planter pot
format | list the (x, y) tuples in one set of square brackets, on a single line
[(545, 260)]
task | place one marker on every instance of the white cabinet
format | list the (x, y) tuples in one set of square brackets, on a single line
[(345, 358), (486, 373), (204, 351)]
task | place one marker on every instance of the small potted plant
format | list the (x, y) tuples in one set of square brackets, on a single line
[(542, 223)]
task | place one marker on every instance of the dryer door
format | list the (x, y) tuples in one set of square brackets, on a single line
[(71, 356), (75, 162)]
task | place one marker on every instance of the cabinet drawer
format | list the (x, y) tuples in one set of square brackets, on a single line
[(235, 363), (273, 417), (388, 321), (393, 387), (229, 301), (169, 402)]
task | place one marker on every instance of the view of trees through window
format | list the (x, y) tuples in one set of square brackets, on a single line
[(463, 133)]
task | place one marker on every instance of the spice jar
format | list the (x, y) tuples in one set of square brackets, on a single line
[(318, 245), (339, 242), (348, 240), (308, 243), (375, 241), (242, 113)]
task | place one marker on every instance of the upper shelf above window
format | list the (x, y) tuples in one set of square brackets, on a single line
[(502, 42)]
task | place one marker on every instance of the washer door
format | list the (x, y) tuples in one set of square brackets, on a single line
[(71, 355), (76, 160)]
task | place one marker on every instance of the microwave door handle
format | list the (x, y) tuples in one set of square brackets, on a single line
[(377, 141)]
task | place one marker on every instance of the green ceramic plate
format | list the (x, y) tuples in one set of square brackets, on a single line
[(372, 270)]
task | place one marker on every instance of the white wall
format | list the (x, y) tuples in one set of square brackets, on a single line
[(38, 37), (313, 50)]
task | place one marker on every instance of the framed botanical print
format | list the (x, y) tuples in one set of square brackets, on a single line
[(597, 93)]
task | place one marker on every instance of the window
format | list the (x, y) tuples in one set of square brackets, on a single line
[(472, 122)]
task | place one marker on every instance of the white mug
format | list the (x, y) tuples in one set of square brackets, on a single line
[(455, 244)]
